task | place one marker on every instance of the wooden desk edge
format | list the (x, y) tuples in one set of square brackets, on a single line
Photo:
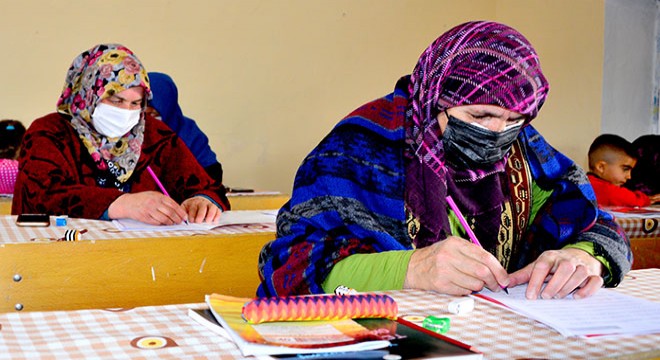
[(5, 205), (257, 202)]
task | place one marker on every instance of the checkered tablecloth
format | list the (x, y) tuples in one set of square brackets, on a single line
[(501, 334), (166, 332), (640, 227), (105, 230)]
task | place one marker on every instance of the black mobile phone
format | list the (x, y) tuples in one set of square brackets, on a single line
[(33, 220), (239, 190)]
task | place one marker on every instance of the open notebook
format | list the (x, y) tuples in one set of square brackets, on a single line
[(237, 217)]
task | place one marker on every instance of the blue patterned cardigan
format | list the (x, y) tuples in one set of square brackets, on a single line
[(348, 198)]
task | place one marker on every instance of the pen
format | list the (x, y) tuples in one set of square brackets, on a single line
[(160, 185), (467, 228)]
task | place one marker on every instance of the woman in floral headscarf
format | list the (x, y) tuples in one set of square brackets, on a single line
[(369, 208), (91, 158)]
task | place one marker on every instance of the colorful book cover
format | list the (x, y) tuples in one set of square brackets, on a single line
[(290, 337), (327, 338)]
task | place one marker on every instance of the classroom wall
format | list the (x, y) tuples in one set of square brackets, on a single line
[(628, 80), (267, 80)]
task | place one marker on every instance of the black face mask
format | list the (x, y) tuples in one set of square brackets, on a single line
[(473, 145)]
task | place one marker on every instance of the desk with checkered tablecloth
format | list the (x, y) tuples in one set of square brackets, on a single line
[(108, 268), (644, 234), (166, 332)]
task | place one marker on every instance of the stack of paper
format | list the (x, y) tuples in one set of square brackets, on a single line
[(607, 312)]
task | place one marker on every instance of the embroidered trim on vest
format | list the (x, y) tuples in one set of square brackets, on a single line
[(516, 212)]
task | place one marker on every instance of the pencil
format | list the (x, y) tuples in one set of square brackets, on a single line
[(467, 228), (160, 185)]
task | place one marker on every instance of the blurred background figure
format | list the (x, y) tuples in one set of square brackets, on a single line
[(165, 102), (645, 176), (11, 135)]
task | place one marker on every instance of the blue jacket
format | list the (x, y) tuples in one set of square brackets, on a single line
[(166, 102), (348, 198)]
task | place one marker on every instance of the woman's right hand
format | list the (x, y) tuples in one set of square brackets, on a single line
[(151, 207), (454, 266)]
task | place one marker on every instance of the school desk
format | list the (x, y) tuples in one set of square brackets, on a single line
[(166, 332), (5, 205), (124, 269), (644, 240)]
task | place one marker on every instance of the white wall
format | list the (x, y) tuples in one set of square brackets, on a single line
[(628, 68)]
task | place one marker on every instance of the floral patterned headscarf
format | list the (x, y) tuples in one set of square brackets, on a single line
[(94, 75)]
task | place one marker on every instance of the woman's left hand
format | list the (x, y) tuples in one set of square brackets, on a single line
[(564, 270), (201, 209)]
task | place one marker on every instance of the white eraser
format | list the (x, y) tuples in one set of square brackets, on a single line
[(461, 306)]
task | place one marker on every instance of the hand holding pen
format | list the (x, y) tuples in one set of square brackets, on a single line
[(160, 186), (467, 228), (150, 207), (198, 208)]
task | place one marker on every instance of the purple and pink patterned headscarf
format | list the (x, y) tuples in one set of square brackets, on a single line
[(94, 75), (478, 62)]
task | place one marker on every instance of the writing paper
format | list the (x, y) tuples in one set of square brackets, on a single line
[(607, 312), (227, 218)]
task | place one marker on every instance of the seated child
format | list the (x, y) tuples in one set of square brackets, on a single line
[(11, 135), (611, 160)]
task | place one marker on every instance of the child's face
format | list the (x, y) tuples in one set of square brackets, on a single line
[(618, 171)]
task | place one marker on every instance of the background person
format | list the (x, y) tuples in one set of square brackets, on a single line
[(645, 177), (611, 162), (11, 135), (90, 158), (368, 208), (164, 106)]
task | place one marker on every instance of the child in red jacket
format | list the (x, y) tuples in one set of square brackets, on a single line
[(611, 160)]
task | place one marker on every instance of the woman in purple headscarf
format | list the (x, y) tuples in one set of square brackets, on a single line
[(369, 208)]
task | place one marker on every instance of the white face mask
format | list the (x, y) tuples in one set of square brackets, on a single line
[(112, 121)]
